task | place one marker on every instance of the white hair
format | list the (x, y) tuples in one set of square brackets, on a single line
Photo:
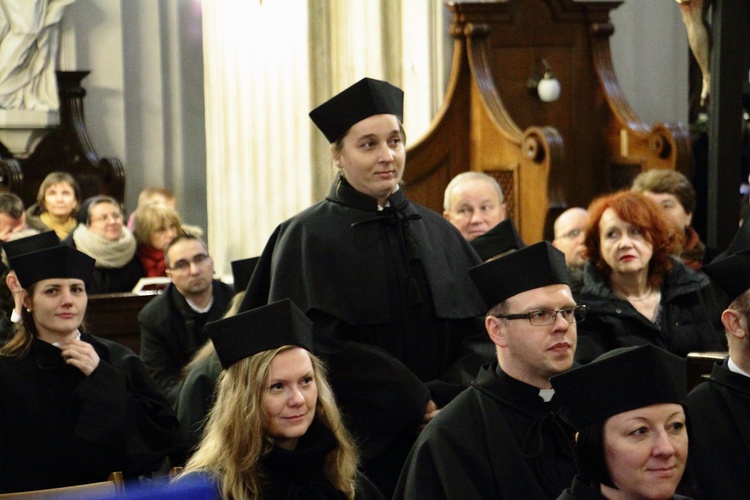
[(470, 176)]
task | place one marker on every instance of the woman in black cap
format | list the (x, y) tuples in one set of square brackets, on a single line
[(380, 277), (628, 407), (275, 430), (74, 407)]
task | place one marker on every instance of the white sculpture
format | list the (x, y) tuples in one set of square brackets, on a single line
[(29, 42)]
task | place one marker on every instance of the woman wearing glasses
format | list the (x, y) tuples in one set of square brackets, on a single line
[(103, 236), (635, 290)]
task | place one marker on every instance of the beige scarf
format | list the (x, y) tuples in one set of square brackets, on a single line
[(110, 254)]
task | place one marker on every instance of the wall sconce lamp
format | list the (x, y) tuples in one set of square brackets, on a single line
[(546, 87)]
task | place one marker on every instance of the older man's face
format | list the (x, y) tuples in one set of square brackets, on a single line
[(569, 236), (475, 208)]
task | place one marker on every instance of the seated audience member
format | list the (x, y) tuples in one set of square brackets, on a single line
[(498, 241), (719, 407), (75, 407), (474, 203), (570, 236), (102, 236), (505, 436), (197, 392), (155, 227), (56, 206), (275, 431), (635, 291), (628, 407), (152, 196), (172, 323), (674, 193), (12, 309), (13, 218)]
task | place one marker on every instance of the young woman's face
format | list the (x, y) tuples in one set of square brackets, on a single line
[(105, 220), (162, 235), (60, 200), (373, 156), (57, 306), (624, 247), (289, 398), (646, 450)]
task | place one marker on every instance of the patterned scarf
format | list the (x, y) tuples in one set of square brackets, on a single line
[(109, 254)]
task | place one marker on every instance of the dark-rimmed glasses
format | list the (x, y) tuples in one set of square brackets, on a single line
[(183, 264), (544, 317)]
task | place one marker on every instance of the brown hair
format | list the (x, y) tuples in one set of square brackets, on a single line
[(57, 178), (661, 180), (634, 208)]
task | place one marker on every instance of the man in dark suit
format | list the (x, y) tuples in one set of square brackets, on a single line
[(172, 324)]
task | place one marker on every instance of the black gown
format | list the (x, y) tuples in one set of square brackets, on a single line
[(59, 427), (395, 313), (719, 427), (497, 440)]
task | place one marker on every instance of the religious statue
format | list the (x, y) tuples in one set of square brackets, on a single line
[(29, 42), (694, 18)]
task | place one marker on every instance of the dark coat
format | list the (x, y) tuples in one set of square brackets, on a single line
[(582, 491), (496, 440), (690, 318), (171, 332), (196, 398), (112, 279), (391, 288), (719, 426), (59, 427)]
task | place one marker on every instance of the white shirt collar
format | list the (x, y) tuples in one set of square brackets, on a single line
[(736, 369)]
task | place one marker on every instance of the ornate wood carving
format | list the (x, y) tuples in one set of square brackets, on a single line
[(68, 148), (556, 154)]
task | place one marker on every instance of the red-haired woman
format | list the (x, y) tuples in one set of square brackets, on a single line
[(635, 291)]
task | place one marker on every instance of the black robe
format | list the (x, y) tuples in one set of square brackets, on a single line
[(59, 427), (497, 440), (395, 313), (582, 491), (719, 426)]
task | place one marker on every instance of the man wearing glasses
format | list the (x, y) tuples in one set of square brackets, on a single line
[(505, 436), (569, 236), (172, 323)]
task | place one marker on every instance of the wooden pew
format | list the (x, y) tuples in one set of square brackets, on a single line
[(114, 316), (700, 365)]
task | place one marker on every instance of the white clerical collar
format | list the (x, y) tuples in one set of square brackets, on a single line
[(736, 369), (388, 202), (546, 394), (200, 310)]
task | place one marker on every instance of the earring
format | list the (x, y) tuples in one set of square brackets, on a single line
[(28, 309)]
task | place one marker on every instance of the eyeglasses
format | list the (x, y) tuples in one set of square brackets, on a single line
[(575, 233), (184, 265), (544, 317), (105, 218)]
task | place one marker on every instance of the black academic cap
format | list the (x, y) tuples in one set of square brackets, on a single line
[(14, 248), (498, 240), (621, 380), (61, 261), (242, 270), (731, 273), (531, 267), (268, 327), (362, 100)]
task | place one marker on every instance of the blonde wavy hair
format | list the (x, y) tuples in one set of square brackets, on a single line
[(234, 441)]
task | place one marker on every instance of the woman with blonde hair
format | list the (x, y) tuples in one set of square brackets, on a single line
[(57, 204), (155, 226), (275, 430)]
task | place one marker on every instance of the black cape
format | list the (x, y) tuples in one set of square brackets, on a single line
[(395, 314), (497, 440), (59, 427), (719, 426)]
